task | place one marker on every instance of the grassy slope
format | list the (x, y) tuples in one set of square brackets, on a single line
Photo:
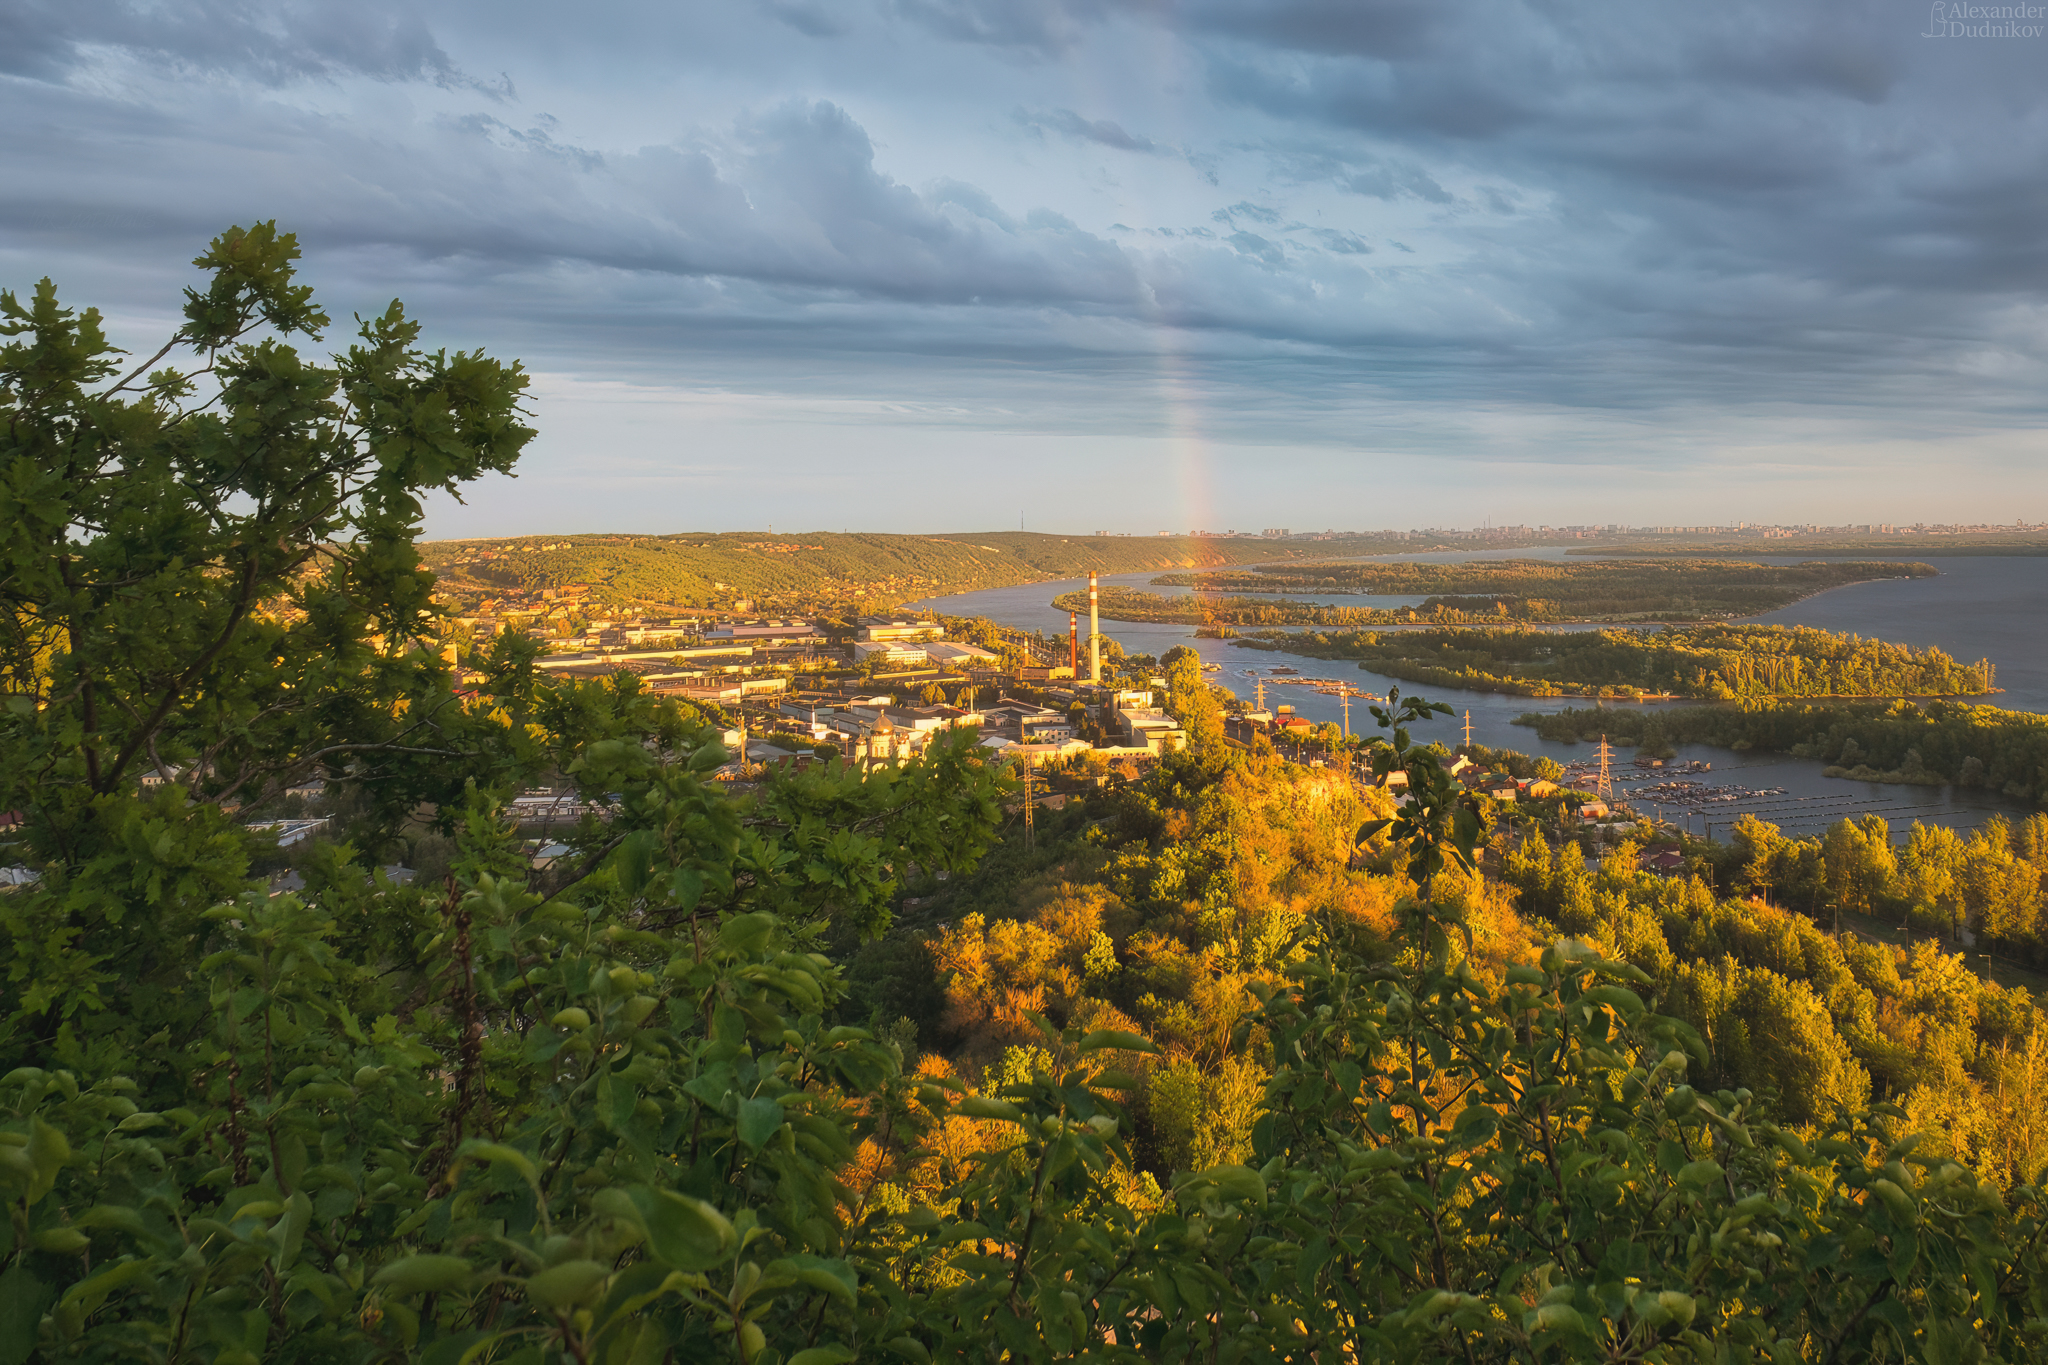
[(822, 569)]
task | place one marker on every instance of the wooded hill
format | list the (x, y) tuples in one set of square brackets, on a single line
[(1542, 590), (824, 568)]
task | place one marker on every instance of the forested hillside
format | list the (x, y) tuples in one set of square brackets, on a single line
[(1229, 1061), (829, 568), (1709, 662)]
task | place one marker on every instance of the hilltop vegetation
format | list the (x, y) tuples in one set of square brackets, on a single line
[(1534, 590), (1709, 662), (823, 570)]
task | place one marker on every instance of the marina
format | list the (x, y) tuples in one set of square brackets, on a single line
[(1292, 677)]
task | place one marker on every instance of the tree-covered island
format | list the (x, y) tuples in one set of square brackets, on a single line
[(1708, 662), (1498, 591)]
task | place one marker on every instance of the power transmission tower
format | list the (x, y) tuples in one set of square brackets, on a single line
[(1605, 786), (1344, 698), (1468, 728)]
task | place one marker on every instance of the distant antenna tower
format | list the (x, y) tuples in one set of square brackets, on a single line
[(1605, 786), (1344, 700), (1468, 728)]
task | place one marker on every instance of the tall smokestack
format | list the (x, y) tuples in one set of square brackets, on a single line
[(1074, 644), (1094, 632)]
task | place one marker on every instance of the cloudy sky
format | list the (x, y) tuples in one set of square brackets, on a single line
[(1130, 264)]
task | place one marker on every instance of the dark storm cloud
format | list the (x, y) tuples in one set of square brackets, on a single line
[(1568, 204), (791, 200)]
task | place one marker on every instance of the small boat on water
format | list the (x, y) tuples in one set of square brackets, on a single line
[(1283, 668)]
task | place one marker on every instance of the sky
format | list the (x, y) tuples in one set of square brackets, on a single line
[(1136, 265)]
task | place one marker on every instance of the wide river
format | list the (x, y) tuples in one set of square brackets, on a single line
[(1980, 607)]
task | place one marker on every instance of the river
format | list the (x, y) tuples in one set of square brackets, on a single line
[(1979, 607)]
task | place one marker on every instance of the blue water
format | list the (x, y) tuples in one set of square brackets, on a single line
[(1979, 607)]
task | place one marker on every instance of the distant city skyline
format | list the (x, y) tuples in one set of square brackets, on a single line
[(922, 265)]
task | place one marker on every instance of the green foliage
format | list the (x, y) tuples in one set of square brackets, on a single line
[(1463, 1171), (601, 1100), (1191, 701), (1818, 1022), (223, 589), (209, 584)]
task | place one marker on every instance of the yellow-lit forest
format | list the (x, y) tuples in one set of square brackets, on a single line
[(1163, 906)]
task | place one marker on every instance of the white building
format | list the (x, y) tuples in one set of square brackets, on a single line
[(947, 652), (1148, 728)]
